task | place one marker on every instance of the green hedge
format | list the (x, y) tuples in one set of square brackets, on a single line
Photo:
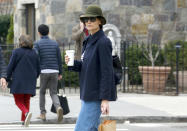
[(10, 35), (167, 57), (135, 57), (4, 26), (69, 78), (171, 54)]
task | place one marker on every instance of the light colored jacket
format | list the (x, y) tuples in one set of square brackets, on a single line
[(78, 36)]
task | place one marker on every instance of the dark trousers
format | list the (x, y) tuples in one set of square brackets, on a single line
[(48, 81)]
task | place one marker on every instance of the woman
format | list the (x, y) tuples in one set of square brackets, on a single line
[(97, 86), (22, 72)]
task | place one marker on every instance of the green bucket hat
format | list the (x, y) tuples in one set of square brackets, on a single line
[(94, 11)]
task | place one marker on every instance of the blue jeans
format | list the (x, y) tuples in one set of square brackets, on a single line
[(89, 116)]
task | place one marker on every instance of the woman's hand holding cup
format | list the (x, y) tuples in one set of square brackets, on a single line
[(69, 58), (66, 59)]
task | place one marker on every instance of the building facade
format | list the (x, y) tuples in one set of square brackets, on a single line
[(155, 21), (6, 7)]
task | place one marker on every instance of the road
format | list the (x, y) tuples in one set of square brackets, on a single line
[(120, 127)]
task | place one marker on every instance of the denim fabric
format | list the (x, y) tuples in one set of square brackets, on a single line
[(89, 116)]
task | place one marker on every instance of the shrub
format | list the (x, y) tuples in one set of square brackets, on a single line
[(69, 78), (4, 25), (135, 57), (10, 35), (171, 54)]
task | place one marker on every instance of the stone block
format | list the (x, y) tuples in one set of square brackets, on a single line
[(139, 29), (74, 6), (170, 36), (147, 18), (126, 2), (107, 5), (174, 16), (142, 3), (43, 8), (154, 26), (87, 2), (161, 17), (42, 18), (135, 19), (181, 3), (183, 16), (146, 2), (57, 7), (114, 19), (169, 5), (180, 27), (15, 19), (38, 14), (50, 20), (155, 36)]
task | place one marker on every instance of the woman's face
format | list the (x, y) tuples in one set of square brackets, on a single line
[(92, 24)]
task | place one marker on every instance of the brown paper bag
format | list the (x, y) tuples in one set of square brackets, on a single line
[(107, 125)]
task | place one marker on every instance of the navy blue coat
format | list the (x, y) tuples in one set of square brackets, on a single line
[(23, 70), (96, 69)]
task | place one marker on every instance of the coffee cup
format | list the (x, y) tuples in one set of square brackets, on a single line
[(70, 54)]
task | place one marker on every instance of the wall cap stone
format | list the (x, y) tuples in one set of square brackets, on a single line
[(21, 3)]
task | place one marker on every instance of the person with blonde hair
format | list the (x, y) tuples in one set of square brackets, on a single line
[(22, 72)]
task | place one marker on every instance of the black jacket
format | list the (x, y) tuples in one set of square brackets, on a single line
[(96, 69)]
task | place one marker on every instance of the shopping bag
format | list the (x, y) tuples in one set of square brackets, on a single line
[(64, 104), (107, 125)]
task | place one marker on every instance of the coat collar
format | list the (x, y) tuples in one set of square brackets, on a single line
[(93, 38), (44, 37)]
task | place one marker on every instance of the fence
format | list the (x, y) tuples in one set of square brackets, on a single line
[(137, 78), (152, 69)]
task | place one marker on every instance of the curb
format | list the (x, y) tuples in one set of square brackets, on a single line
[(119, 120)]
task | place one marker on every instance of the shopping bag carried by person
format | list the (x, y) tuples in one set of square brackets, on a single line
[(107, 125), (63, 102)]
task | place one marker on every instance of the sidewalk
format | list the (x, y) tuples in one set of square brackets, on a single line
[(128, 107)]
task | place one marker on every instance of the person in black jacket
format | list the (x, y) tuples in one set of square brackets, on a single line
[(3, 82), (51, 70), (22, 72), (97, 86)]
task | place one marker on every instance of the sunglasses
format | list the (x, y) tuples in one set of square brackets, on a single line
[(92, 19)]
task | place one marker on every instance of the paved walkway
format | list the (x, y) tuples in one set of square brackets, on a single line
[(128, 107)]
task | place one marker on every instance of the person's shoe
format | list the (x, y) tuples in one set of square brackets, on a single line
[(42, 117), (59, 114), (27, 119), (22, 123)]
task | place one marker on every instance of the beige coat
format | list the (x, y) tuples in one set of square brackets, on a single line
[(78, 36)]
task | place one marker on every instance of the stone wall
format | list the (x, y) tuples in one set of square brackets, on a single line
[(161, 20)]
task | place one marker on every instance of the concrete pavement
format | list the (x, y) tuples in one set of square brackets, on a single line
[(128, 108)]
